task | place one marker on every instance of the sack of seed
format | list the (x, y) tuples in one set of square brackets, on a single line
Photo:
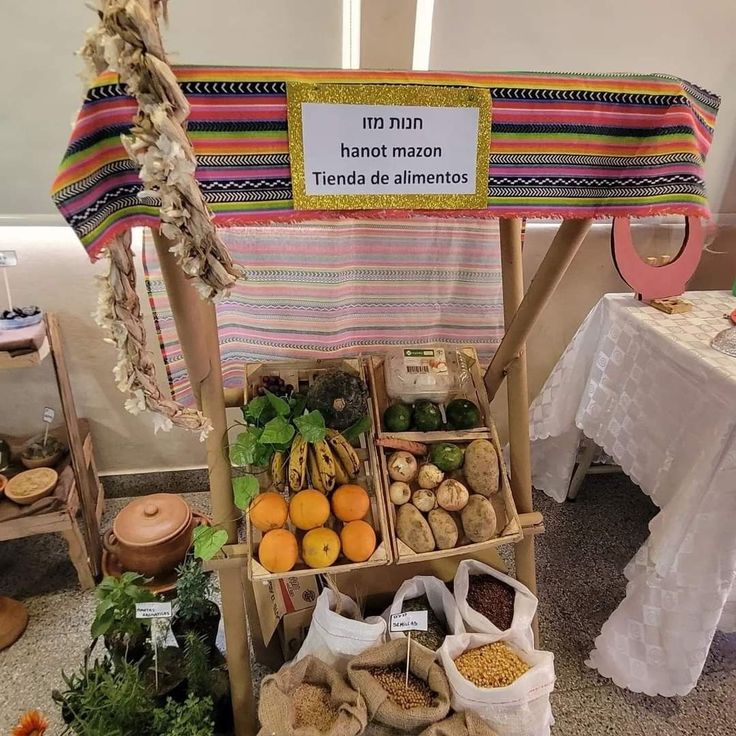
[(309, 698), (503, 679), (337, 632), (490, 602), (425, 592), (379, 675), (466, 723)]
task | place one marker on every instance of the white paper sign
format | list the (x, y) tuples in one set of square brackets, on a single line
[(408, 621), (8, 258), (389, 149), (48, 414), (155, 609)]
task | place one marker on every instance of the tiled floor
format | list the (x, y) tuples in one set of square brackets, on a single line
[(580, 560)]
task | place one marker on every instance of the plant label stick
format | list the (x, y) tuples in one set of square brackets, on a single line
[(407, 622), (48, 417), (8, 258)]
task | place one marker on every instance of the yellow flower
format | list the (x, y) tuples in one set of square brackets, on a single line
[(32, 723)]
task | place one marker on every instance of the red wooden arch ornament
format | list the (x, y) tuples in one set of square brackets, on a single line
[(650, 281)]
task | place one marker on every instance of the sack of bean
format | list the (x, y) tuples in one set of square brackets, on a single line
[(379, 675), (466, 723), (490, 602), (427, 593), (309, 698), (502, 679), (337, 632)]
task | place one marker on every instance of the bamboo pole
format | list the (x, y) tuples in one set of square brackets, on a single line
[(518, 403), (565, 244), (196, 327)]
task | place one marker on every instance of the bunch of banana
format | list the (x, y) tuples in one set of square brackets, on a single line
[(323, 465)]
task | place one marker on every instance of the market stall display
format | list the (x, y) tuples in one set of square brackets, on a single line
[(629, 372), (266, 184)]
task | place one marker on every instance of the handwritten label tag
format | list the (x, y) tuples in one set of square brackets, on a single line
[(8, 258), (408, 621), (48, 414), (155, 609)]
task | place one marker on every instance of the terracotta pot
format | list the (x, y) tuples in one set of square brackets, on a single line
[(152, 534)]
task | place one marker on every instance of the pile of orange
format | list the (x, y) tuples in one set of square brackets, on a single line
[(309, 510)]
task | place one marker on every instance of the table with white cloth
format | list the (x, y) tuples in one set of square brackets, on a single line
[(649, 389)]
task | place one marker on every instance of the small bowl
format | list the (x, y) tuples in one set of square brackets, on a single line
[(20, 322), (31, 485), (3, 483), (49, 461)]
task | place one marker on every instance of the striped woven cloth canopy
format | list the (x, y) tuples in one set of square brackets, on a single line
[(562, 145)]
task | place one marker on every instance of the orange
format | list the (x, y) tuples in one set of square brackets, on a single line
[(350, 502), (358, 541), (309, 509), (320, 547), (268, 511), (278, 550)]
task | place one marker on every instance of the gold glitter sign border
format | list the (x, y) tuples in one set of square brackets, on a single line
[(387, 94)]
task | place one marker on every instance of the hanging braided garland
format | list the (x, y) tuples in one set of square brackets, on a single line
[(128, 40)]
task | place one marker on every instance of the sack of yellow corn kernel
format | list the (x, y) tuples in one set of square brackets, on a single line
[(378, 674), (466, 723), (503, 679), (306, 696), (337, 631)]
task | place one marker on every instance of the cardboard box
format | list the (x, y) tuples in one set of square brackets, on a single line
[(278, 598), (292, 630)]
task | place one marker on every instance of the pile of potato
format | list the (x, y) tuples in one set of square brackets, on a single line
[(441, 510)]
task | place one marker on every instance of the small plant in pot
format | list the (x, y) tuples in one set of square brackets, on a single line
[(125, 636), (40, 454), (195, 610)]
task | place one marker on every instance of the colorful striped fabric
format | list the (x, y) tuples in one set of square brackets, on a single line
[(334, 288), (562, 145)]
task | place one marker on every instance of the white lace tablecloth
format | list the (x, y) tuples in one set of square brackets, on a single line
[(648, 388)]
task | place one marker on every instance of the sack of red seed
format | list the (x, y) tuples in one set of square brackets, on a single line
[(502, 679), (466, 723), (490, 602), (426, 592), (310, 695), (379, 675)]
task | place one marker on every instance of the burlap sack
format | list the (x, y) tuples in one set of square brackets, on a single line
[(466, 723), (422, 664), (276, 707)]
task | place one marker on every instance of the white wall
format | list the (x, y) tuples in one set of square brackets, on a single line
[(693, 40), (41, 93)]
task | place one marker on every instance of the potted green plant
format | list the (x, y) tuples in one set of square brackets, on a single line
[(195, 610), (125, 636)]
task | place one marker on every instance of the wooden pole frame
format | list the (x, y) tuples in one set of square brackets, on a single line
[(196, 325)]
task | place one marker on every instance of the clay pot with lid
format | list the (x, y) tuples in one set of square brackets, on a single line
[(152, 534)]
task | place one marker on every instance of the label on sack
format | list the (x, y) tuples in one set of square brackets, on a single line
[(408, 621), (154, 609)]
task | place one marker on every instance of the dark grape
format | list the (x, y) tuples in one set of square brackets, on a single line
[(289, 388), (261, 391)]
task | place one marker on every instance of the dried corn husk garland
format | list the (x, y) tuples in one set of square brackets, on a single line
[(128, 40), (119, 313)]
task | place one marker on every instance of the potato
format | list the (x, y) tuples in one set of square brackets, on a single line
[(424, 499), (481, 467), (444, 529), (399, 492), (413, 530), (452, 495), (402, 466), (429, 476), (479, 519)]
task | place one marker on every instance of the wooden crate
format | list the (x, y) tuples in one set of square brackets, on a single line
[(509, 528), (301, 374), (471, 388)]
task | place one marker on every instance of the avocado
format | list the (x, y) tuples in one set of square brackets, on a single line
[(427, 416), (462, 414), (397, 418)]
